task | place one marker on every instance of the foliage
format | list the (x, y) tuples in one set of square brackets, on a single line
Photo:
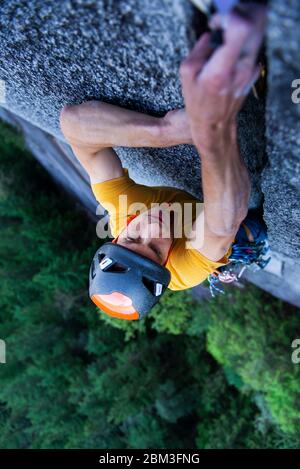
[(76, 378), (254, 340)]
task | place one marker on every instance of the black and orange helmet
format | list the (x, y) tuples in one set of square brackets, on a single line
[(125, 284)]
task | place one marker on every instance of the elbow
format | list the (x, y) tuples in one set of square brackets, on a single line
[(232, 231), (230, 223), (67, 120), (241, 201), (225, 231)]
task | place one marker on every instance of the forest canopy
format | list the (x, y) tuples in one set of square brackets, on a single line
[(192, 374)]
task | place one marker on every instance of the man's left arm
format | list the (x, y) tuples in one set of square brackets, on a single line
[(93, 128)]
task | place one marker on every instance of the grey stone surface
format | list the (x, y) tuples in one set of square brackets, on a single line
[(283, 285), (281, 177), (122, 51), (128, 52)]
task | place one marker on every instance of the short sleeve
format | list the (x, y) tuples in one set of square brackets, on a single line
[(189, 267), (122, 197), (109, 191)]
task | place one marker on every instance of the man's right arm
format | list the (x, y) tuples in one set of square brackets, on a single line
[(226, 190), (215, 85)]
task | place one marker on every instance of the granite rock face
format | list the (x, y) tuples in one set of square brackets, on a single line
[(126, 52), (281, 177)]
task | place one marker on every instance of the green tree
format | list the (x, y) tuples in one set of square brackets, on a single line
[(77, 378), (253, 338)]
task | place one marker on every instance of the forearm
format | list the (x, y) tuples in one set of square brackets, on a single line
[(225, 181), (101, 125), (112, 126)]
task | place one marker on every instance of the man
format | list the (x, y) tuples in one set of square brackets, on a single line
[(129, 275)]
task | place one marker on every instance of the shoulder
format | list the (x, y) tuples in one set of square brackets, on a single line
[(189, 267)]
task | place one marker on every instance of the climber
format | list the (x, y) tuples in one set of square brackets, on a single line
[(129, 275)]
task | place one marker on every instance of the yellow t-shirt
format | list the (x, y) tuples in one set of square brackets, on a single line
[(188, 267)]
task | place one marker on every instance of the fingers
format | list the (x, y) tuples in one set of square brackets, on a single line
[(219, 80), (244, 84), (255, 40), (218, 21), (240, 94), (243, 34), (196, 59), (235, 37)]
